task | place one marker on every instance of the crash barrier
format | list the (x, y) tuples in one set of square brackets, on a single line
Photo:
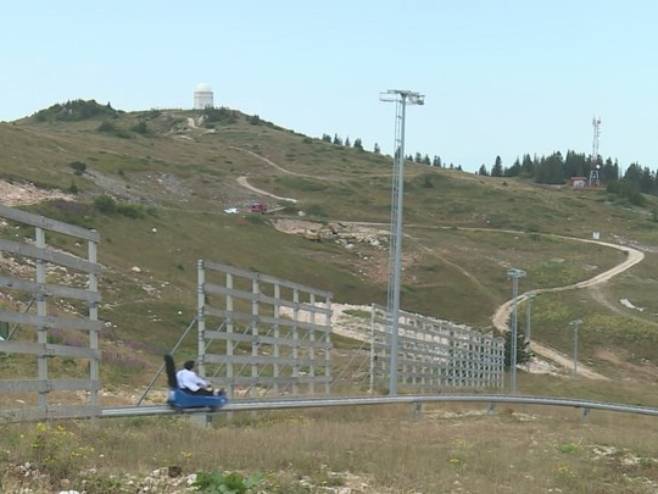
[(585, 406), (45, 276), (434, 353), (260, 335)]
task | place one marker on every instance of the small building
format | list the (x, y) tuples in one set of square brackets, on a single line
[(578, 182), (203, 97)]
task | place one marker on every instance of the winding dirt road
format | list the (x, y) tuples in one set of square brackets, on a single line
[(503, 312), (243, 181)]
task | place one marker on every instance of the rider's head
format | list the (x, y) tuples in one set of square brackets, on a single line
[(189, 365)]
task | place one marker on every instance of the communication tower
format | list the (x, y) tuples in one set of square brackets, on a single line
[(594, 177)]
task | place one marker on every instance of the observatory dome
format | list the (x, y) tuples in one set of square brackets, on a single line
[(203, 88)]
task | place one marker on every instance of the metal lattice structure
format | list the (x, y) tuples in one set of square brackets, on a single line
[(43, 262), (401, 98), (433, 353), (258, 334)]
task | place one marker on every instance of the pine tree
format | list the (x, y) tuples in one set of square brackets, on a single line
[(436, 161), (426, 160), (483, 171), (357, 144), (337, 140), (347, 142), (418, 158), (326, 137), (377, 149), (497, 169)]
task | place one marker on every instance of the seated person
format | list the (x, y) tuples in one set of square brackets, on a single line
[(191, 383)]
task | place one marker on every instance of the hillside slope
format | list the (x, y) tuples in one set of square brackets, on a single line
[(182, 173)]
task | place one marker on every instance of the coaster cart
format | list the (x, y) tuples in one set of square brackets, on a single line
[(179, 400)]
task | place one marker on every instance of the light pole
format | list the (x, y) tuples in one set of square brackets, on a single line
[(576, 326), (528, 318), (401, 98), (514, 274)]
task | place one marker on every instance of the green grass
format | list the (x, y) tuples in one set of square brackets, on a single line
[(453, 274)]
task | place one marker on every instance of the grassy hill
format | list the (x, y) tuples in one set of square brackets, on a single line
[(173, 173)]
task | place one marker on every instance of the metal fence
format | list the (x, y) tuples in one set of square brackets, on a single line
[(258, 334), (434, 353), (41, 262)]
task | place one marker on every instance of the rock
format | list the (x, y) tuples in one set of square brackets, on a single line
[(136, 269), (154, 230)]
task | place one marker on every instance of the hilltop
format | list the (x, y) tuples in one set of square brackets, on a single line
[(171, 175)]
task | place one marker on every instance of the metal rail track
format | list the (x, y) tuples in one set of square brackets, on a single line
[(287, 404)]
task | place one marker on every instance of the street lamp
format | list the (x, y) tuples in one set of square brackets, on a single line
[(514, 274), (576, 326), (401, 98)]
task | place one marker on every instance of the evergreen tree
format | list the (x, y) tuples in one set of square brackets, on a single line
[(527, 166), (459, 168), (497, 169), (483, 171), (426, 160), (436, 161), (347, 142), (377, 149), (514, 170), (326, 137), (357, 144), (337, 140), (418, 158)]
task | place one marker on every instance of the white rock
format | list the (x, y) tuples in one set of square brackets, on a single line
[(136, 269), (154, 230)]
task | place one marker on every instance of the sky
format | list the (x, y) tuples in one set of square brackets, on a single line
[(500, 77)]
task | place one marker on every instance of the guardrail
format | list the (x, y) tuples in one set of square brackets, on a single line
[(288, 404)]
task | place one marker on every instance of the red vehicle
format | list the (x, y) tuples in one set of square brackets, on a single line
[(258, 207)]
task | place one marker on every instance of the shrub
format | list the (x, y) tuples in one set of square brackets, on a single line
[(140, 128), (222, 483), (110, 128), (254, 120), (75, 110), (73, 188), (220, 115), (79, 167), (105, 204), (133, 211), (627, 190)]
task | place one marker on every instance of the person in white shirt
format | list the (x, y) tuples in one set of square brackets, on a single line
[(191, 383)]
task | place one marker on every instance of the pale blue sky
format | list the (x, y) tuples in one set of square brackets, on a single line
[(501, 77)]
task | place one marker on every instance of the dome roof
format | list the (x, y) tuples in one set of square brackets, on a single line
[(203, 88)]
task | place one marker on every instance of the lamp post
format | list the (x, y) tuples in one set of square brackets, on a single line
[(528, 318), (401, 98), (514, 274), (576, 326)]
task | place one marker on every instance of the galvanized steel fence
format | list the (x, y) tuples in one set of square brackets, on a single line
[(434, 353), (259, 335), (39, 263)]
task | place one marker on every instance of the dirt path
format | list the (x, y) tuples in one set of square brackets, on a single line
[(245, 183), (503, 312)]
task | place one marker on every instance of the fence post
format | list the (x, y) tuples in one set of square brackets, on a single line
[(93, 334), (42, 332)]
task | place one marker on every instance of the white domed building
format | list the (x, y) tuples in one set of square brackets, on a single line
[(203, 97)]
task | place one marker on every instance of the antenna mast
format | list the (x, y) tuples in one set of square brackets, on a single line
[(594, 178)]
